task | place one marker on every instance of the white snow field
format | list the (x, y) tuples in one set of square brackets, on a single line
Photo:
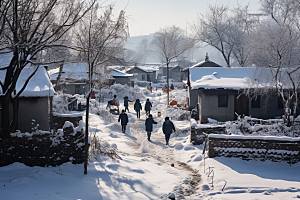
[(145, 171)]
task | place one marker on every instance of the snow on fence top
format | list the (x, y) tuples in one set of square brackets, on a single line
[(243, 137), (38, 86)]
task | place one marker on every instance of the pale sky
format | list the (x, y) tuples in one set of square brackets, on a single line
[(148, 16)]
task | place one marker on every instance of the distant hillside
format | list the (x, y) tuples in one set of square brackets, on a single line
[(196, 55), (133, 42)]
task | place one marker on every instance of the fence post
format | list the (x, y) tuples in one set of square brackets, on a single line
[(193, 134)]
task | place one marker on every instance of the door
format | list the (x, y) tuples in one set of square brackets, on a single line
[(241, 106), (148, 77), (77, 89)]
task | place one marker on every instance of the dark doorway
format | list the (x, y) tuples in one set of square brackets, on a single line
[(77, 89), (148, 77), (241, 106)]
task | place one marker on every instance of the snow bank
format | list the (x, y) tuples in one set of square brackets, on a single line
[(144, 146)]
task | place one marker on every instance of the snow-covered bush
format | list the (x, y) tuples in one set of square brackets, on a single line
[(103, 113), (121, 91), (178, 114), (101, 148), (60, 102), (251, 126)]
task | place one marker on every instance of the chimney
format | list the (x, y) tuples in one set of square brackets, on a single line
[(206, 57)]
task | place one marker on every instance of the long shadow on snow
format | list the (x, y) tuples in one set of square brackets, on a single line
[(116, 181), (268, 169)]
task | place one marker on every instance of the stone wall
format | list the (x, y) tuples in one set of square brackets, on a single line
[(255, 147), (44, 149)]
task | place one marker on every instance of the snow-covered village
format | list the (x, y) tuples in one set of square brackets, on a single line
[(142, 100)]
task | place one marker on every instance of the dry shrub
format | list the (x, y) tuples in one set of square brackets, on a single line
[(101, 148)]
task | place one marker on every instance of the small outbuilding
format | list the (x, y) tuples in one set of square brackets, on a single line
[(217, 93), (121, 77), (205, 63), (35, 102), (144, 73)]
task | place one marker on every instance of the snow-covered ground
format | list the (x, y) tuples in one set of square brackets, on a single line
[(146, 172)]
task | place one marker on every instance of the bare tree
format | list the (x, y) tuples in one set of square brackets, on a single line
[(212, 28), (144, 50), (276, 48), (171, 42), (226, 31), (28, 28), (100, 37)]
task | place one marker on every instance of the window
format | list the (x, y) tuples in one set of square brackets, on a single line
[(280, 103), (223, 100), (143, 77), (255, 102)]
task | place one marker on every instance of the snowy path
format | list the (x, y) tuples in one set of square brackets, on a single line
[(158, 150)]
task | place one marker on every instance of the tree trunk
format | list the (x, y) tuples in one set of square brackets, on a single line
[(57, 88), (168, 84), (5, 121), (86, 146), (14, 122)]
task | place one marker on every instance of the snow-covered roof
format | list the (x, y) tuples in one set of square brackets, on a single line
[(149, 68), (220, 77), (204, 63), (38, 86), (146, 68), (71, 70), (118, 73)]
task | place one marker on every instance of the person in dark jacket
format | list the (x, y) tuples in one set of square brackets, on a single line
[(138, 108), (167, 128), (149, 125), (172, 87), (124, 120), (126, 100), (148, 106)]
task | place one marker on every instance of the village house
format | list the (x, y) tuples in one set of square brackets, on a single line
[(144, 73), (35, 102), (121, 77), (217, 93), (74, 78), (205, 63)]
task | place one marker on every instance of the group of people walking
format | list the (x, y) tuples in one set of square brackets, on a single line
[(167, 127)]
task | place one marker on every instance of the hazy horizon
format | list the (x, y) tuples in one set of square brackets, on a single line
[(146, 17)]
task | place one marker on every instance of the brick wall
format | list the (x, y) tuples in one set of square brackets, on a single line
[(255, 147), (44, 149)]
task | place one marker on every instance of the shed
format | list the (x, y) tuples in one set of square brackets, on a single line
[(144, 73), (121, 77), (35, 102), (217, 94), (205, 63)]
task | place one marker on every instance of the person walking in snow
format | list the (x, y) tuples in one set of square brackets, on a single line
[(167, 128), (149, 125), (148, 106), (126, 100), (124, 120), (138, 108)]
